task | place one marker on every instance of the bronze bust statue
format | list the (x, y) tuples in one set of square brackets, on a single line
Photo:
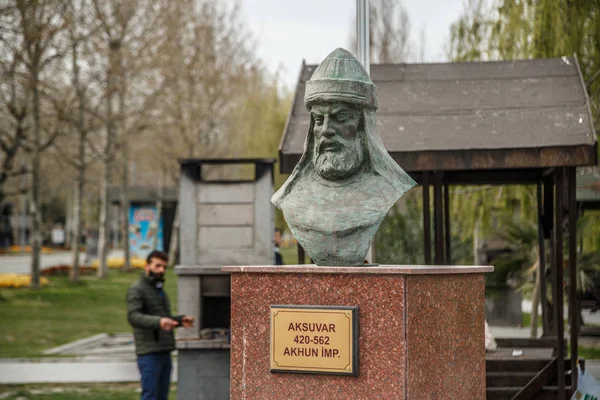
[(345, 182)]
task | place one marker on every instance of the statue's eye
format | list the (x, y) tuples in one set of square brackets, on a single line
[(318, 119), (341, 117)]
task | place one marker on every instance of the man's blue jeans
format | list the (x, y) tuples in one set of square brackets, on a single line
[(155, 369)]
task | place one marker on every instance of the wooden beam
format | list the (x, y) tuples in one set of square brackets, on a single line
[(539, 381), (543, 342), (426, 220)]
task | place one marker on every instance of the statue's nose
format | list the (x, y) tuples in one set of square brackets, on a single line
[(327, 128)]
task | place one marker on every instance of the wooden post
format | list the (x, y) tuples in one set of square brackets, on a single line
[(542, 266), (573, 309), (548, 235), (426, 219), (438, 214), (557, 283), (447, 235)]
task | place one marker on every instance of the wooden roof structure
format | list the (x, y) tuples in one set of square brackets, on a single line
[(471, 116), (506, 122)]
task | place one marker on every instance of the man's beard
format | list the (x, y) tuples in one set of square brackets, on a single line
[(156, 276), (342, 163)]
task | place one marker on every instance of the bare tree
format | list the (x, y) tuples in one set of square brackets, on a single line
[(35, 27), (79, 114), (15, 107)]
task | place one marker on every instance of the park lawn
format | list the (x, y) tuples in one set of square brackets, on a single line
[(36, 320), (112, 391)]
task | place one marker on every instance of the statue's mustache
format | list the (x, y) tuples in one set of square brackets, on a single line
[(329, 145)]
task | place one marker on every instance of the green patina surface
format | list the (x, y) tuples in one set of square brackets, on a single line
[(345, 182)]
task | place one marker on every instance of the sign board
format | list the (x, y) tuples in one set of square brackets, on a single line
[(145, 230), (314, 339)]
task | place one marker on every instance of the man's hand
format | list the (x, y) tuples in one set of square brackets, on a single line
[(187, 321), (168, 324)]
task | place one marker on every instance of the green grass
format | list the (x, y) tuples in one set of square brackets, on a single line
[(290, 255), (36, 320), (526, 320), (589, 353), (74, 392)]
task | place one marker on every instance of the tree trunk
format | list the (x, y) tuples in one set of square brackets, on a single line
[(108, 159), (104, 223), (125, 181), (125, 207), (535, 302), (77, 222), (36, 226)]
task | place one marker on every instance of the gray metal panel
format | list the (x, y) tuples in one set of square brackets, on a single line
[(225, 193), (225, 214), (189, 296), (225, 237), (188, 216), (264, 217), (203, 374)]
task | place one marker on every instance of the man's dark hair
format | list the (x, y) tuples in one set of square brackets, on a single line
[(277, 230), (161, 255)]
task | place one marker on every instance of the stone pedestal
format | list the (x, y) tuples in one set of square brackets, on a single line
[(421, 331)]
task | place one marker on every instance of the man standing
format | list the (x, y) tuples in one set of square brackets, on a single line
[(149, 313)]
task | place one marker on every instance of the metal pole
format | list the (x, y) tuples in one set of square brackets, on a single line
[(362, 44), (362, 33)]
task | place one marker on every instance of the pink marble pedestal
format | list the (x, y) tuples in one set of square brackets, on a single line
[(421, 331)]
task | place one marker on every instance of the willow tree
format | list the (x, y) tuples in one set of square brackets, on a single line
[(524, 29)]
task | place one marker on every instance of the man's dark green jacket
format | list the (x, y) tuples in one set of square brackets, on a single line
[(146, 305)]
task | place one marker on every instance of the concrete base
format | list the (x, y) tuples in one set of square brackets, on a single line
[(203, 374), (421, 331)]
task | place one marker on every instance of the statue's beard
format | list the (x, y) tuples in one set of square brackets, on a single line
[(341, 162)]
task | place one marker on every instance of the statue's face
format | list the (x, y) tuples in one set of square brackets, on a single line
[(337, 152)]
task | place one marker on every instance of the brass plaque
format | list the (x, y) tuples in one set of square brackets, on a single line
[(314, 339)]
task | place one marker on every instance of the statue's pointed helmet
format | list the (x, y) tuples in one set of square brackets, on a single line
[(341, 77)]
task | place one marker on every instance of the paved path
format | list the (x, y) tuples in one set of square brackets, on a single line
[(21, 263), (21, 371), (588, 316)]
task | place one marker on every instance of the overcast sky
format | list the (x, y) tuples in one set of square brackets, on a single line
[(288, 31)]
